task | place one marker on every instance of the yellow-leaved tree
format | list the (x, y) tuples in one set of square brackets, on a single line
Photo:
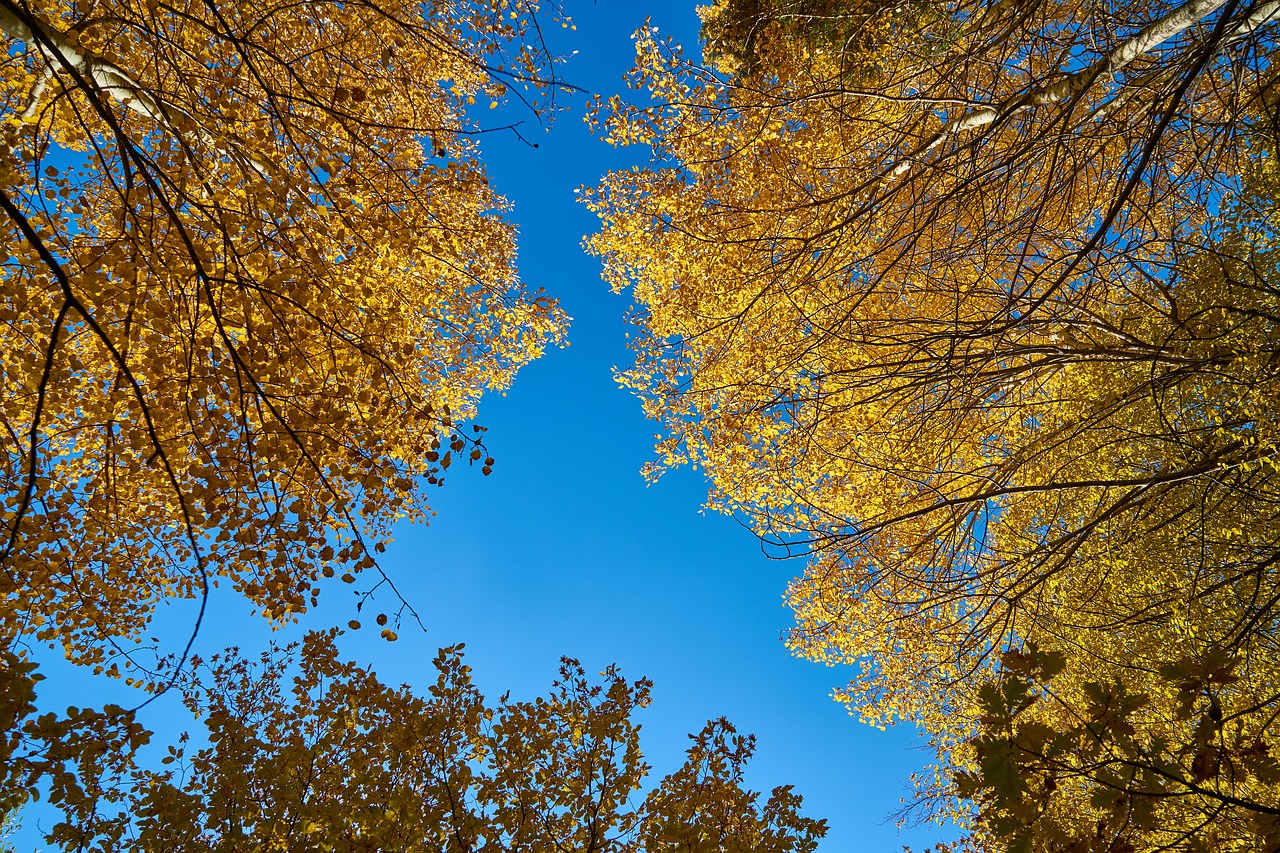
[(977, 304), (306, 752), (255, 278)]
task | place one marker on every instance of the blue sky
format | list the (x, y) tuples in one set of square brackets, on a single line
[(565, 551)]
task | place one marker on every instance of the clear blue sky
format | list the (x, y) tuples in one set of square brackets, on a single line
[(565, 551)]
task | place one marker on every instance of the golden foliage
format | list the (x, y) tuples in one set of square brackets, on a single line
[(256, 277), (968, 302), (308, 753)]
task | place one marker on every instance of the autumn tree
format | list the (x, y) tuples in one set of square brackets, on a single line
[(256, 280), (1162, 736), (306, 752), (977, 305)]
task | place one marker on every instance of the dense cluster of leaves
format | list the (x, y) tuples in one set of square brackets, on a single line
[(1200, 774), (978, 304)]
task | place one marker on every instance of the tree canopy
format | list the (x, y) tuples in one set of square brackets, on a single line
[(306, 752), (977, 305)]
